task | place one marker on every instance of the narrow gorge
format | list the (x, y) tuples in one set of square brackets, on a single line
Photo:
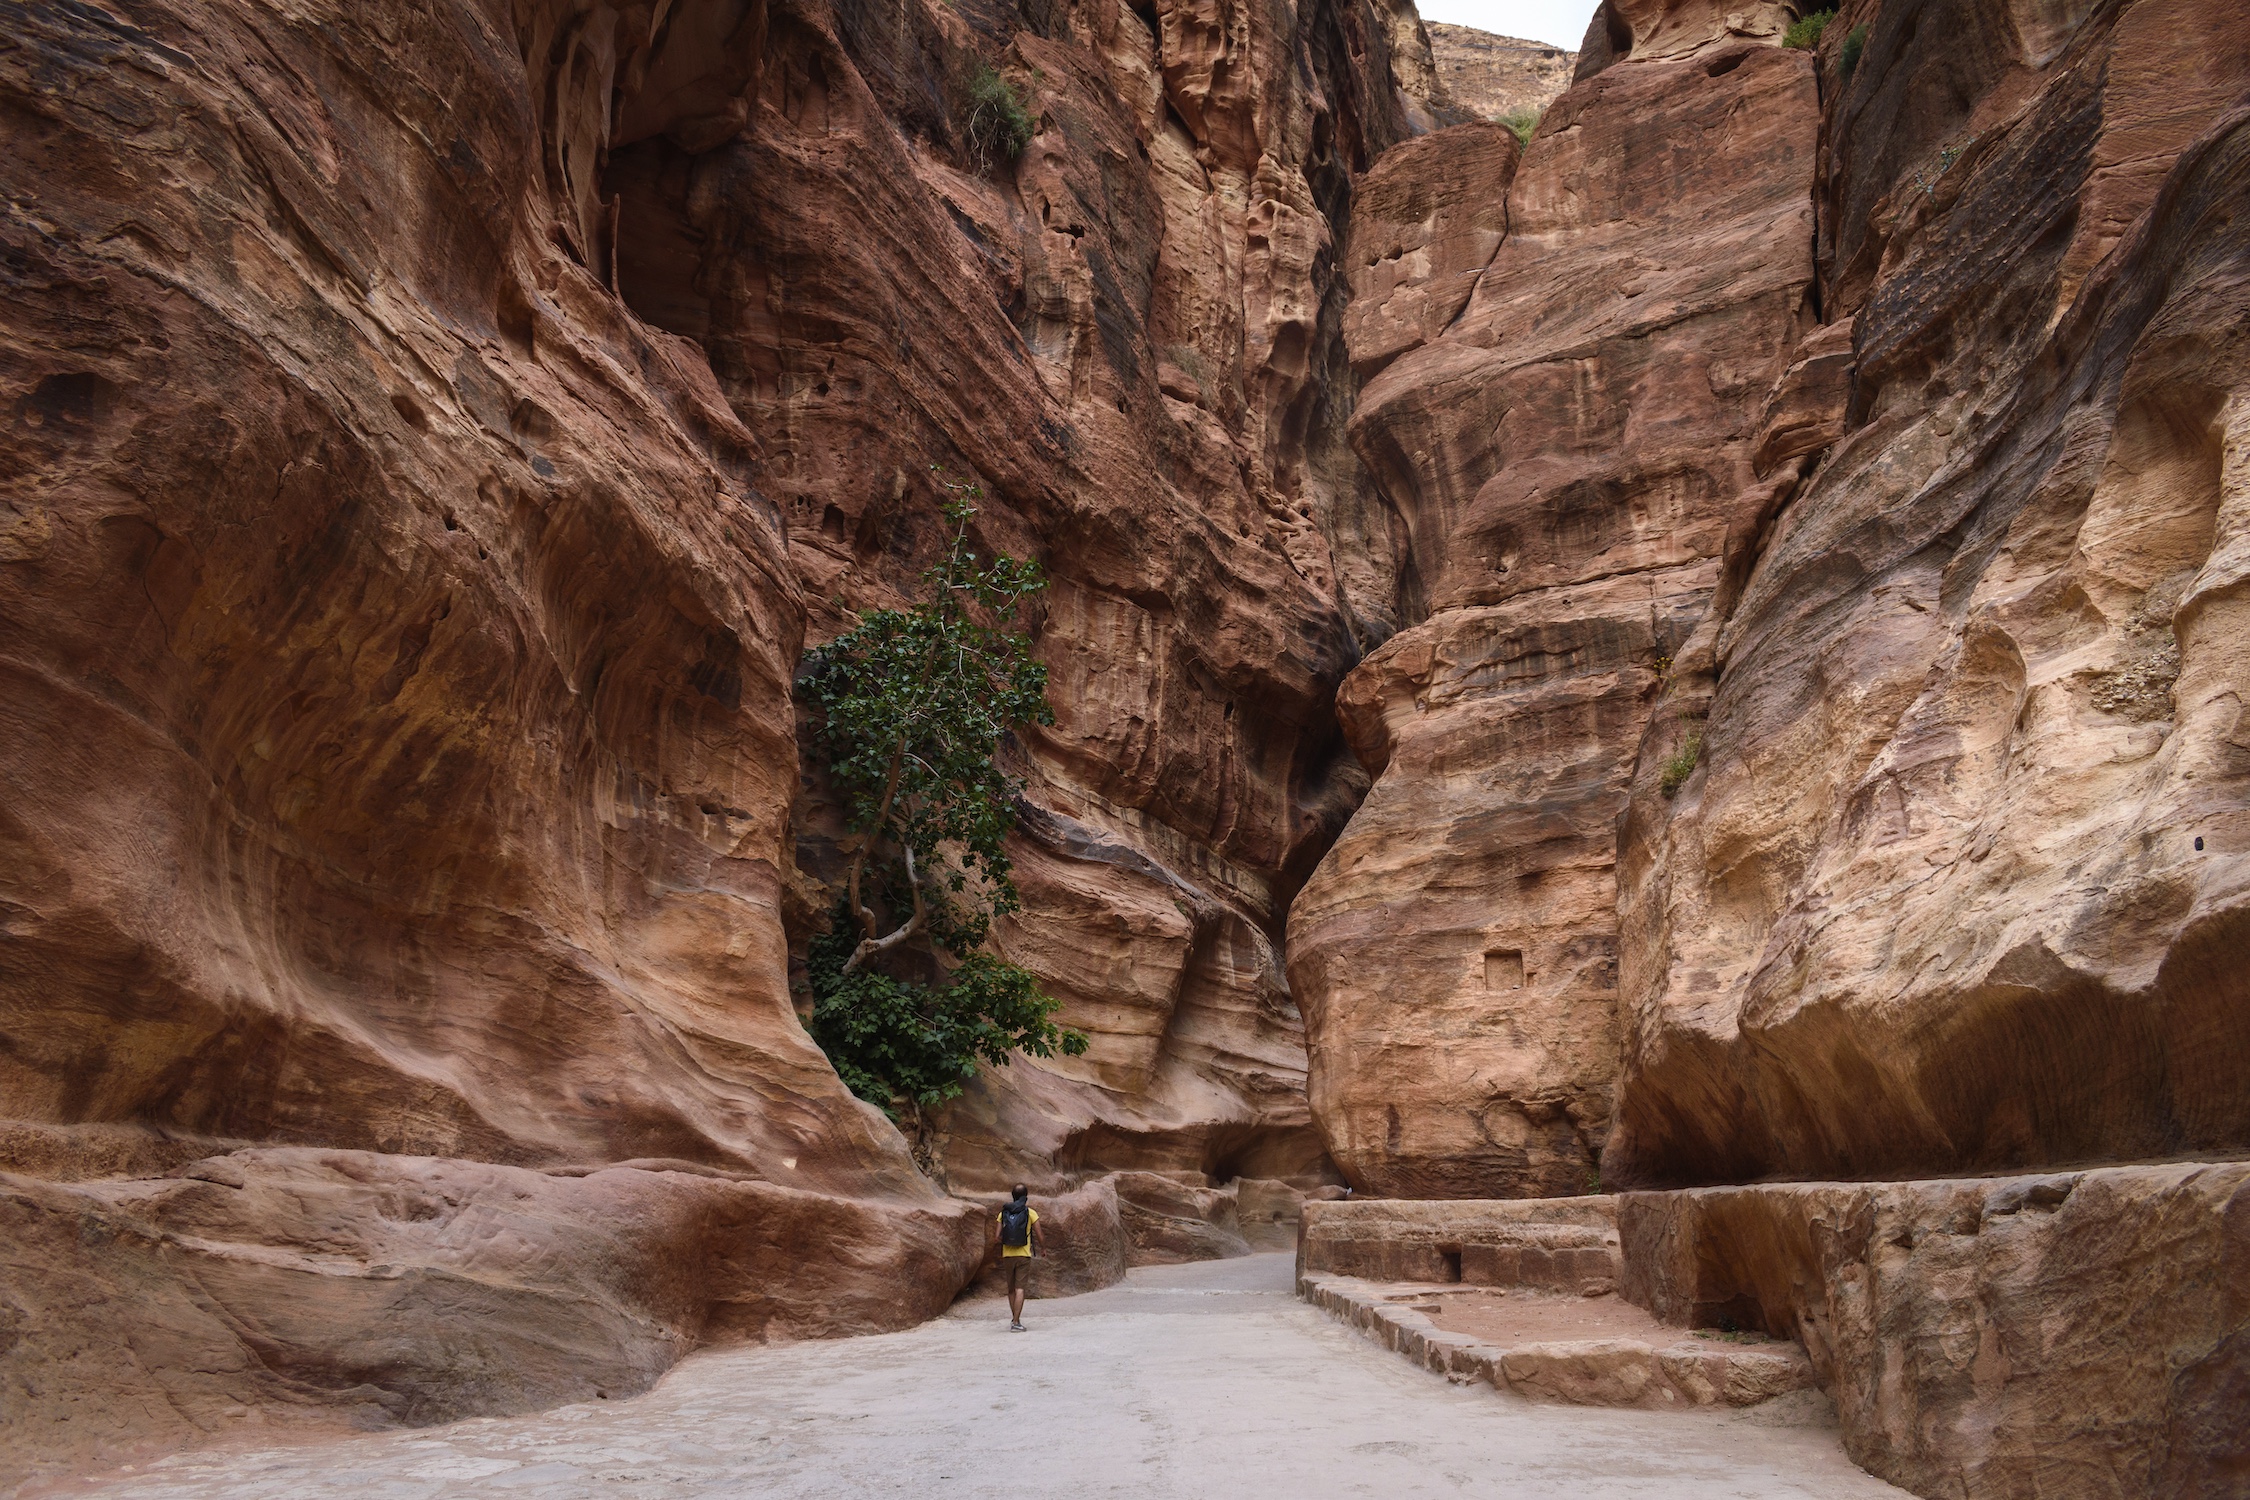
[(1697, 644)]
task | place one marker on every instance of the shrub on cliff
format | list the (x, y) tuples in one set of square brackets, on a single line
[(910, 707), (1804, 32), (1854, 44), (1680, 765), (1523, 122), (994, 119)]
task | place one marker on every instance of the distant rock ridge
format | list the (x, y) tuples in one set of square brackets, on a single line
[(1494, 76)]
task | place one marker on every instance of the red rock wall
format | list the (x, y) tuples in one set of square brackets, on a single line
[(2086, 1333), (1130, 337), (1960, 884), (1865, 451), (1570, 445), (434, 432)]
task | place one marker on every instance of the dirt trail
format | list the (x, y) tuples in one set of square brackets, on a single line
[(1187, 1381)]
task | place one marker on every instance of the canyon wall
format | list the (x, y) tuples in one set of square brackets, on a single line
[(1129, 338), (397, 751), (1565, 416), (1828, 698), (1959, 881), (1495, 77), (1706, 646), (435, 432)]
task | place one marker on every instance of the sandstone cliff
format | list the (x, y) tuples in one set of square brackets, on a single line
[(1827, 692), (1961, 879), (1767, 554), (1494, 77), (435, 431), (1570, 444), (1130, 338), (397, 748)]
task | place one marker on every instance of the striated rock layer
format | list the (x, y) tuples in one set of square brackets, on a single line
[(1825, 688), (2068, 1333), (2079, 1333), (396, 741), (434, 432), (1570, 445), (1129, 338), (1963, 880), (1496, 77)]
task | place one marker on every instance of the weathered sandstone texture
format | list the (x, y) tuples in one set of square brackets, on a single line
[(1821, 676), (1493, 77), (1561, 1244), (1570, 446), (1130, 338), (1962, 880), (281, 1287), (1659, 1371), (2072, 1333), (2081, 1333), (434, 431)]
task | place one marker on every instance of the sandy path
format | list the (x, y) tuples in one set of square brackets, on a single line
[(1195, 1381)]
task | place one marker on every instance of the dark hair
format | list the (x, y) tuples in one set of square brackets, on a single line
[(1022, 1192)]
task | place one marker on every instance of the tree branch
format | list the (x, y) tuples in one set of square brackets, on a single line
[(867, 842), (871, 945)]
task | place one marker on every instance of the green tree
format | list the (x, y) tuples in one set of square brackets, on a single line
[(911, 707)]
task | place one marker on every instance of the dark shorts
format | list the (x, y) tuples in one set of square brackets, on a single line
[(1012, 1268)]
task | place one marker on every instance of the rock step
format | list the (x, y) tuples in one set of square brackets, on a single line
[(1574, 1372)]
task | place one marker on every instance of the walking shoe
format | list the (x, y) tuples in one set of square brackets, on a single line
[(1015, 1328)]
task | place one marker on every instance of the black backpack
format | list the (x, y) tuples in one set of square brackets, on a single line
[(1015, 1225)]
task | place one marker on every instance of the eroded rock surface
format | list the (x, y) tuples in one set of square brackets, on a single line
[(1495, 77), (2078, 1332), (1571, 452), (2088, 1331), (396, 740), (1961, 882), (460, 417), (1130, 338), (1823, 689)]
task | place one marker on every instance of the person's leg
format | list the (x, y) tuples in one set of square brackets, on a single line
[(1016, 1268)]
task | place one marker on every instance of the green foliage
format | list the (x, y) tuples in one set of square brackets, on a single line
[(1854, 45), (1681, 765), (994, 118), (1804, 32), (1523, 122), (911, 706), (897, 1041)]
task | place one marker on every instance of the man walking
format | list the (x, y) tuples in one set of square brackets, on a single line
[(1019, 1240)]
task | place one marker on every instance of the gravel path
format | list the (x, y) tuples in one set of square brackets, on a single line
[(1197, 1382)]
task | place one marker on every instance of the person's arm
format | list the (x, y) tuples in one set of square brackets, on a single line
[(1038, 1240)]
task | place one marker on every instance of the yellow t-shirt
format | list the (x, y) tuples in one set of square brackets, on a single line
[(1025, 1247)]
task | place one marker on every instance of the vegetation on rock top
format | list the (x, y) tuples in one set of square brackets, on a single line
[(1804, 32)]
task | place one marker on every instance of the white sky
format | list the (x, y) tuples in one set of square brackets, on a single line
[(1562, 22)]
